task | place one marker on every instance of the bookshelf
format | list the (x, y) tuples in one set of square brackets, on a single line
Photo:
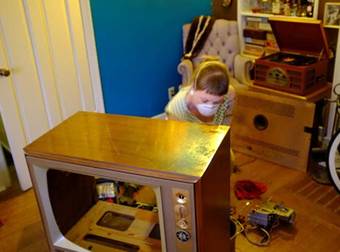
[(336, 79), (254, 30)]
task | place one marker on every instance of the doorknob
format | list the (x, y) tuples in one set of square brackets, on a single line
[(4, 72)]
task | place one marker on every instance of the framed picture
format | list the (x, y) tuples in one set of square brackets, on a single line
[(331, 16)]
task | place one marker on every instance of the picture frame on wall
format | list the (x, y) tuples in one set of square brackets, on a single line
[(331, 16)]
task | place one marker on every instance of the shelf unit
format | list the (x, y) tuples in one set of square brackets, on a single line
[(244, 10), (336, 79), (331, 26)]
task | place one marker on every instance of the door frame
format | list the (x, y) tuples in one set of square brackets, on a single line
[(92, 55)]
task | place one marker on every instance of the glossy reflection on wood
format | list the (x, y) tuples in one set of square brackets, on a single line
[(155, 147)]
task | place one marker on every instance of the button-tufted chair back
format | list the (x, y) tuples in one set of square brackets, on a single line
[(222, 42)]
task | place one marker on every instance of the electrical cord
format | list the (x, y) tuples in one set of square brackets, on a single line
[(266, 238), (247, 229), (240, 229)]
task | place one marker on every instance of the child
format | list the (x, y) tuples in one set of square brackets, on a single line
[(209, 98)]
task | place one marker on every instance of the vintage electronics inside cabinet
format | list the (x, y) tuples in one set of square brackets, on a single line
[(301, 65), (121, 183)]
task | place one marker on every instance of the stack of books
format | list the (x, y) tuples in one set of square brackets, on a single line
[(258, 37)]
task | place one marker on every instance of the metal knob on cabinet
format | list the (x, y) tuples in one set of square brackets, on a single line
[(4, 72)]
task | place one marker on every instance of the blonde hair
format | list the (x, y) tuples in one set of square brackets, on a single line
[(213, 76)]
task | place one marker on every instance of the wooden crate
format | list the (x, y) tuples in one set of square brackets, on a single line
[(273, 127)]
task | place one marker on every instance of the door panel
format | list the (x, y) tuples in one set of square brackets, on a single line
[(80, 57), (63, 57), (24, 79), (12, 123), (46, 47), (38, 29)]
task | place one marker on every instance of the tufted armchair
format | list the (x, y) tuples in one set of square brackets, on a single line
[(223, 42)]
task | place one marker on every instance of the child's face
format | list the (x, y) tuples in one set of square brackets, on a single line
[(202, 97)]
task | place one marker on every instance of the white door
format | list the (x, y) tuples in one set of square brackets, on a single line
[(47, 46)]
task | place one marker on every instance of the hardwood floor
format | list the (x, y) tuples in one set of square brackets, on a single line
[(317, 226), (22, 229), (317, 207)]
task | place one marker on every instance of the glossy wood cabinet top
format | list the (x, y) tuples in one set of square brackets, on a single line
[(136, 145)]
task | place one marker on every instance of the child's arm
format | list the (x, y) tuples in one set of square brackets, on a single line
[(231, 96)]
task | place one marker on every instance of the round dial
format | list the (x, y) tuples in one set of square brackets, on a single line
[(181, 199), (181, 211), (183, 224), (183, 235)]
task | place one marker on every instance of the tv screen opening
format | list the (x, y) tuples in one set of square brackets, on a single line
[(103, 214)]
